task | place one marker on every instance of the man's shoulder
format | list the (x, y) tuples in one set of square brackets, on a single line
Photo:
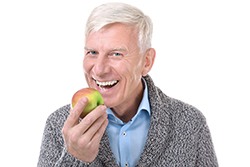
[(184, 115), (180, 112), (185, 109), (164, 105)]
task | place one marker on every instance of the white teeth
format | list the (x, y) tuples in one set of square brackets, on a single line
[(108, 83)]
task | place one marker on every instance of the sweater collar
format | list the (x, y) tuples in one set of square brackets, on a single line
[(159, 125)]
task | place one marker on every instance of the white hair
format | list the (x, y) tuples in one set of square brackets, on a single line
[(110, 13)]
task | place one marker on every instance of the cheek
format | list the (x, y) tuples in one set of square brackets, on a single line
[(136, 69), (130, 68), (86, 66), (131, 74), (86, 70), (122, 68)]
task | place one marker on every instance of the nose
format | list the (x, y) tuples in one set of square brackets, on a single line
[(100, 66)]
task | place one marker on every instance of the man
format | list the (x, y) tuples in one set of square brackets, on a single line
[(138, 125)]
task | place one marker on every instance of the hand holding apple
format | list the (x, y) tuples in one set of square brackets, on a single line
[(94, 99), (82, 137)]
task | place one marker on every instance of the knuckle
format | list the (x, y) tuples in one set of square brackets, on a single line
[(94, 146), (72, 137), (64, 134), (64, 130), (82, 142), (88, 120)]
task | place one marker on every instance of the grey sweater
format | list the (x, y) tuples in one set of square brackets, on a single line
[(178, 137)]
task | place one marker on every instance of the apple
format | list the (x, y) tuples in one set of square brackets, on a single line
[(94, 99)]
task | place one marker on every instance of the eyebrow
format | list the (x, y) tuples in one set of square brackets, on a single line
[(119, 49), (114, 49), (85, 48)]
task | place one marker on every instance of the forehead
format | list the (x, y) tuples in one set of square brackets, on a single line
[(113, 36)]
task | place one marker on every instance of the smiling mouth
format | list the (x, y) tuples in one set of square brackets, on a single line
[(106, 84)]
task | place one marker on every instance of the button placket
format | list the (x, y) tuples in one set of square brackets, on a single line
[(124, 145)]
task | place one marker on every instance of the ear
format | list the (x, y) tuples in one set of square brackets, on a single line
[(149, 59)]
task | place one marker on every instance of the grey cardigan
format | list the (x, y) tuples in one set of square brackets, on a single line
[(178, 137)]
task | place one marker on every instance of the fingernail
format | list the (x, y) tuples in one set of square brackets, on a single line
[(84, 100), (103, 107)]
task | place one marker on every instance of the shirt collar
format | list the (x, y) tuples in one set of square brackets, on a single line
[(144, 105)]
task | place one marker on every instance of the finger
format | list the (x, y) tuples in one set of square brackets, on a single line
[(91, 118), (98, 135), (95, 127), (75, 113), (94, 142)]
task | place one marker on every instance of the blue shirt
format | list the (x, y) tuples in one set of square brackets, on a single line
[(127, 140)]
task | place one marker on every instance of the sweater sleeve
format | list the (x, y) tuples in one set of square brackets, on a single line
[(52, 150), (206, 154)]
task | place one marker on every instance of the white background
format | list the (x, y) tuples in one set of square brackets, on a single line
[(202, 59)]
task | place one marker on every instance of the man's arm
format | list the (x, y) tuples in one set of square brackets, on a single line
[(52, 146), (53, 151), (206, 154)]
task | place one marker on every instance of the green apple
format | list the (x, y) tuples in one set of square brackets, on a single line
[(94, 99)]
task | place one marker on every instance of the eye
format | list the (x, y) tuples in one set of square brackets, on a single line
[(116, 54), (91, 52)]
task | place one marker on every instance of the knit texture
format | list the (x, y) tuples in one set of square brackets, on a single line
[(178, 137)]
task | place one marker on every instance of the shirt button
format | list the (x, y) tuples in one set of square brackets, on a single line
[(126, 164), (124, 134)]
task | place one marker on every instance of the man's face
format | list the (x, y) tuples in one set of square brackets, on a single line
[(113, 64)]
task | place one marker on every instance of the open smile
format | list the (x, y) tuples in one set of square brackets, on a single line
[(106, 84)]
